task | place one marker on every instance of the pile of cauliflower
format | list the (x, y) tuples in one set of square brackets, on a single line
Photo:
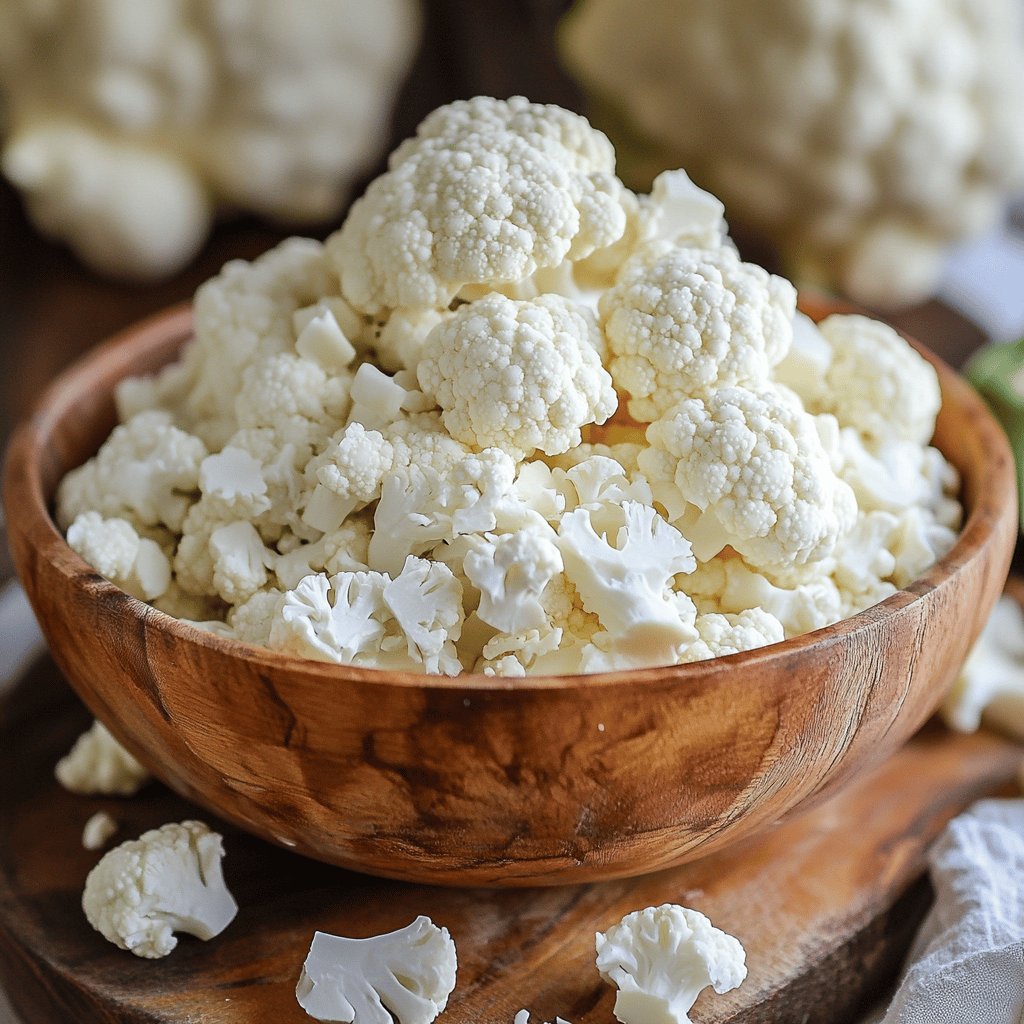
[(408, 447), (128, 124), (862, 138)]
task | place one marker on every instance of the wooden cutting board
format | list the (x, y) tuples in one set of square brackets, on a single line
[(825, 905)]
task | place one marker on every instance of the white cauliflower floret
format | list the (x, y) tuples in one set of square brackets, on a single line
[(401, 977), (98, 829), (168, 880), (728, 585), (660, 959), (511, 572), (862, 139), (754, 466), (991, 683), (144, 118), (729, 634), (240, 560), (627, 582), (523, 1017), (322, 341), (689, 321), (519, 375), (145, 472), (377, 399), (251, 620), (97, 765), (367, 618), (136, 564), (875, 382), (486, 192)]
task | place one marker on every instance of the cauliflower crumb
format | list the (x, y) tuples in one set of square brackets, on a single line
[(97, 765)]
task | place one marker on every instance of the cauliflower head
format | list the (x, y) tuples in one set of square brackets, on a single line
[(860, 138), (128, 123)]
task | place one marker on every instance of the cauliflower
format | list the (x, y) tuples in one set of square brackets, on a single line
[(396, 449), (523, 1017), (98, 830), (862, 139), (169, 879), (872, 382), (145, 474), (142, 119), (136, 564), (402, 977), (991, 682), (691, 321), (661, 958), (97, 765), (518, 375), (488, 191), (753, 465)]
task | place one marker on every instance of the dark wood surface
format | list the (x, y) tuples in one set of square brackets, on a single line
[(824, 904)]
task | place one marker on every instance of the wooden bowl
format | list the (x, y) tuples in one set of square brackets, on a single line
[(497, 782)]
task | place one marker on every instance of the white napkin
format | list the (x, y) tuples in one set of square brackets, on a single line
[(967, 964)]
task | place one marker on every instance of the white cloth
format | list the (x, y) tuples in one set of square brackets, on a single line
[(967, 964)]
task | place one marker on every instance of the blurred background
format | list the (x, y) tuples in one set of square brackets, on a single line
[(872, 148)]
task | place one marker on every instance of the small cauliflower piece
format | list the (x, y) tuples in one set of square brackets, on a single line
[(98, 830), (753, 465), (97, 765), (376, 399), (136, 564), (661, 959), (875, 382), (523, 1017), (511, 572), (168, 880), (323, 342), (404, 976), (689, 321), (518, 375), (240, 560), (627, 582), (990, 686), (729, 634), (145, 473), (488, 191)]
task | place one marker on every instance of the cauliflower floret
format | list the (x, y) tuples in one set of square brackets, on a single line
[(240, 560), (754, 466), (689, 321), (991, 682), (112, 547), (519, 375), (729, 634), (169, 879), (875, 382), (251, 620), (728, 585), (402, 977), (486, 192), (97, 765), (661, 958), (145, 473), (511, 572), (410, 622), (628, 583)]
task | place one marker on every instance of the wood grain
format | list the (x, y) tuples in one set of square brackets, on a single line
[(825, 904), (494, 781)]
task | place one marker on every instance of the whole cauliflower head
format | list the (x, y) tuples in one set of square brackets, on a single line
[(129, 123), (487, 192), (518, 375), (861, 138), (690, 321), (169, 879)]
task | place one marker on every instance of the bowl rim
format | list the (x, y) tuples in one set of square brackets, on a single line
[(27, 508)]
